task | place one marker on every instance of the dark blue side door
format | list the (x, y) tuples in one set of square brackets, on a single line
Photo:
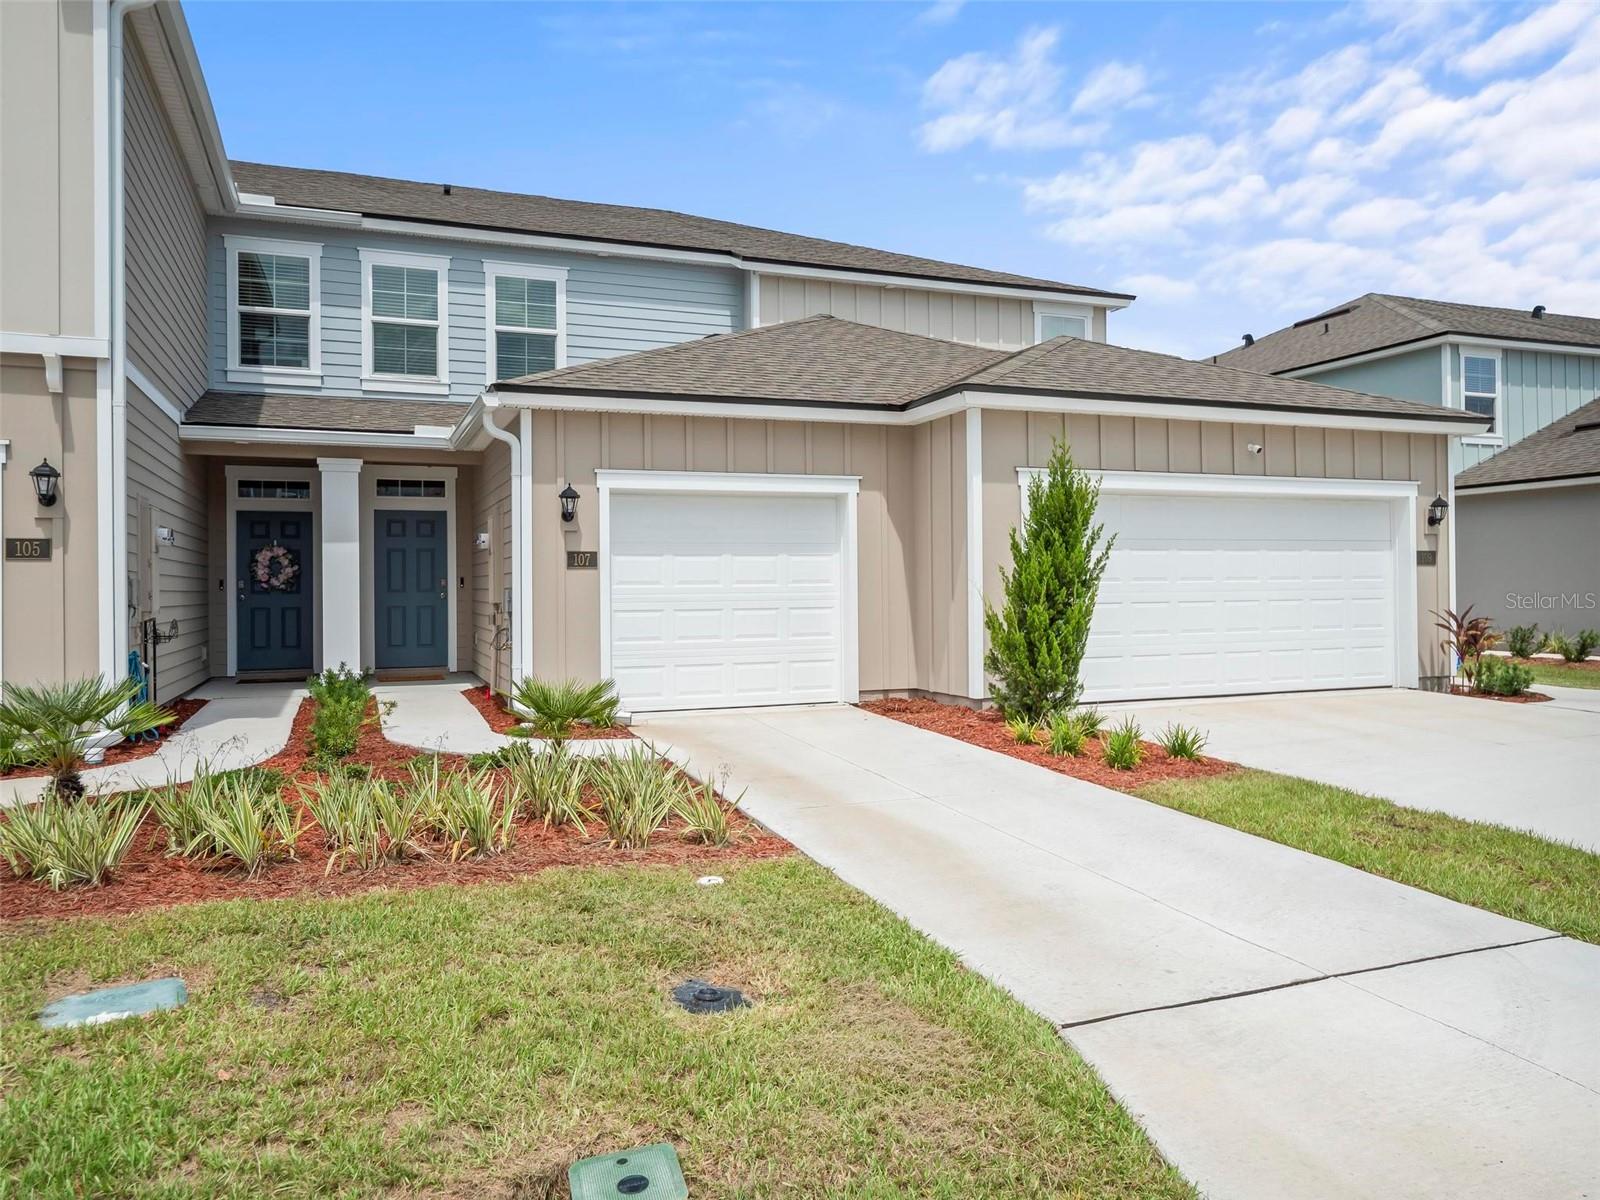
[(411, 589), (273, 593)]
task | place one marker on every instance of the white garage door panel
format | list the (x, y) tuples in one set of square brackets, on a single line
[(720, 601), (1211, 595)]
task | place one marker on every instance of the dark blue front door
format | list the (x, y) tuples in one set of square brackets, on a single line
[(274, 591), (412, 589)]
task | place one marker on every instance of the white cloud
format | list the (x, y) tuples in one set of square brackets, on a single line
[(941, 13), (1160, 287), (1114, 85), (1547, 28)]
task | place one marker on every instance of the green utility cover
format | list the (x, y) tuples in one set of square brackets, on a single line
[(649, 1171), (112, 1004)]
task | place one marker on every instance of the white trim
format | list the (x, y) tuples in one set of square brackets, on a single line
[(262, 435), (1496, 436), (63, 345), (312, 507), (846, 488), (154, 394), (1450, 528), (1533, 485), (340, 545), (238, 372), (5, 457), (434, 385), (1401, 496), (371, 505), (1081, 312), (493, 270), (977, 686), (752, 299), (844, 275), (520, 618), (1443, 339), (100, 52)]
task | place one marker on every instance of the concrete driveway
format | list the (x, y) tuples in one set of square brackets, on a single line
[(1282, 1025), (1530, 766)]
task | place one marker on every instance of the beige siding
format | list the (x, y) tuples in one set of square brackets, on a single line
[(51, 623), (1012, 440), (47, 168), (489, 570), (982, 320), (167, 582), (166, 247)]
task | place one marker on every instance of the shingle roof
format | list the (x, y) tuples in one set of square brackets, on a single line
[(397, 198), (1565, 449), (1379, 322), (321, 412), (830, 362)]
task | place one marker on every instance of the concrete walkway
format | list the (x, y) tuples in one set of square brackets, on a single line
[(1283, 1026), (1529, 766), (434, 716), (242, 724)]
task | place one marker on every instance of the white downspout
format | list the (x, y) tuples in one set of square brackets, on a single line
[(519, 599), (5, 457)]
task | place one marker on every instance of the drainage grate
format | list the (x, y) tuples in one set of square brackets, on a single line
[(650, 1171), (698, 996)]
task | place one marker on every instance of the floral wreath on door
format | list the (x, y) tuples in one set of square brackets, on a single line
[(275, 568)]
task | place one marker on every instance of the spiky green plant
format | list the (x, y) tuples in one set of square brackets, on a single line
[(475, 813), (1123, 748), (1066, 735), (550, 783), (1089, 719), (636, 796), (345, 807), (52, 724), (402, 813), (556, 709), (1182, 741), (244, 821), (1024, 731), (62, 842), (700, 808), (1576, 647), (1038, 634)]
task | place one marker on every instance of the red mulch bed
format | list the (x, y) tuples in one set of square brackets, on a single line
[(1525, 698), (148, 879), (988, 729), (1588, 664), (124, 752), (502, 720)]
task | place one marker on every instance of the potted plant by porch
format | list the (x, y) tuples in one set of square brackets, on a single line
[(53, 724), (1038, 634)]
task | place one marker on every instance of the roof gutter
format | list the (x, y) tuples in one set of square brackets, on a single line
[(1428, 341), (520, 446)]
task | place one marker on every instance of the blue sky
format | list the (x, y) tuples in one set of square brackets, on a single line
[(1237, 165)]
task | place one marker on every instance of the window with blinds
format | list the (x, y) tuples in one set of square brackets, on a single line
[(274, 310), (405, 320), (1480, 391), (526, 325)]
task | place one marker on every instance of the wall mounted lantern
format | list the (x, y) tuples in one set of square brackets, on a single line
[(1437, 511), (569, 502), (45, 477)]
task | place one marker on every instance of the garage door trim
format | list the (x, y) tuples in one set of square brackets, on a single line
[(1401, 496), (845, 488)]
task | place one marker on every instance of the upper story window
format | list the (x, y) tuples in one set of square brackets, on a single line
[(405, 322), (1480, 388), (1053, 320), (526, 308), (274, 298)]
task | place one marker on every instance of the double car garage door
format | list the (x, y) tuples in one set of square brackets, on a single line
[(739, 600)]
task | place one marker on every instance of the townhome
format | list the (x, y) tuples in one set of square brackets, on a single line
[(305, 417)]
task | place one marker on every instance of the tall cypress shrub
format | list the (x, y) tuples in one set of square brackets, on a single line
[(1037, 636)]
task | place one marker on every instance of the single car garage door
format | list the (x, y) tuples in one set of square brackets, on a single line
[(725, 600), (1214, 595)]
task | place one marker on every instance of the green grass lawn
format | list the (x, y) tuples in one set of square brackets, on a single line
[(473, 1041), (1503, 870), (1564, 676)]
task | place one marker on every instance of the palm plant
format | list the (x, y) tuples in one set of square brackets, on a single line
[(556, 708), (1466, 637), (52, 724)]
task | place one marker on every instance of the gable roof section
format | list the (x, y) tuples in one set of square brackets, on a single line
[(512, 212), (828, 362), (1381, 322), (323, 413), (1564, 449)]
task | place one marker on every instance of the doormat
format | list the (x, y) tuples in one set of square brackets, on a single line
[(408, 676)]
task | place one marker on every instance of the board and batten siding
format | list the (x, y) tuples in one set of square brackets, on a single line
[(615, 305), (980, 320), (1536, 388), (1109, 443)]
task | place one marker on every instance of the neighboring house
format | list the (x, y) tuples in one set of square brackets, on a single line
[(1531, 517), (1518, 369), (305, 418)]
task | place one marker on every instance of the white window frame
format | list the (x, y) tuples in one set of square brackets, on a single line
[(371, 381), (512, 270), (239, 372), (1497, 436), (1042, 310)]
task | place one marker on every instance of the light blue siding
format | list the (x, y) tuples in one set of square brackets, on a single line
[(615, 305), (1414, 376), (1536, 388)]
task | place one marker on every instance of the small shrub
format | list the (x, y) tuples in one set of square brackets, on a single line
[(1066, 735), (1182, 741), (1090, 720), (51, 725), (1524, 641), (704, 817), (62, 842), (1123, 749), (1023, 730), (242, 820), (636, 796), (1502, 677), (475, 814), (550, 782), (557, 708), (344, 806), (342, 696), (1577, 647)]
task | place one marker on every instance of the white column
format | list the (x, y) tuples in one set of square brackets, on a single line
[(5, 457), (339, 561)]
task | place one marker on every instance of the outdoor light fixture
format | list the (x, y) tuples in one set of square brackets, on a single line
[(45, 477), (1437, 510), (569, 502)]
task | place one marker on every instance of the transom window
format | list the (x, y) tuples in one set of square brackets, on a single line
[(526, 319), (411, 487), (274, 489), (1053, 321), (1480, 387), (272, 308), (405, 340)]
